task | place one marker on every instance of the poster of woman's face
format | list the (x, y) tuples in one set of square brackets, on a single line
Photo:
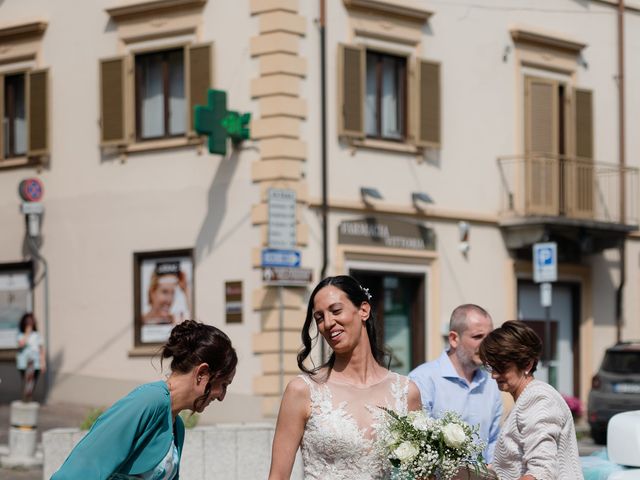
[(166, 286)]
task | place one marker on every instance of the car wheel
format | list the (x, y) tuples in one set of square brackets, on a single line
[(599, 435)]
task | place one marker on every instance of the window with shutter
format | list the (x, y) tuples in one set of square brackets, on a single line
[(428, 129), (24, 115), (351, 98)]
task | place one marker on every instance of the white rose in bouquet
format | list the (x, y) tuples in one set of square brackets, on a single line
[(405, 451), (420, 421), (392, 438), (454, 435)]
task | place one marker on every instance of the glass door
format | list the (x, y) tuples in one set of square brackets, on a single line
[(398, 303)]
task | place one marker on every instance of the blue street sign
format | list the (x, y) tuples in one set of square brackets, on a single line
[(545, 262), (272, 257)]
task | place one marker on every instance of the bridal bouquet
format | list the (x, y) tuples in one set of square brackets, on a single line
[(421, 447)]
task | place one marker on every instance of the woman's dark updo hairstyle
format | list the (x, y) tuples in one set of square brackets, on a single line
[(22, 326), (192, 343), (357, 295), (513, 343)]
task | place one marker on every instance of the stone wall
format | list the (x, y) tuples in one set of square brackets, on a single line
[(230, 452)]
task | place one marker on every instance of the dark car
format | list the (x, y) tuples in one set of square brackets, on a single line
[(615, 388)]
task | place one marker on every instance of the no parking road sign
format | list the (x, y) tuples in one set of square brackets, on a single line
[(545, 262), (31, 190)]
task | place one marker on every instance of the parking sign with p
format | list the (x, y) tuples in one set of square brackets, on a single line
[(545, 262)]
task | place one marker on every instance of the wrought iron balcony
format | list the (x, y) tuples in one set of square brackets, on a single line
[(568, 188), (587, 206)]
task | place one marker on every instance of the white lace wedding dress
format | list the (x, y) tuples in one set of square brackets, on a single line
[(338, 439)]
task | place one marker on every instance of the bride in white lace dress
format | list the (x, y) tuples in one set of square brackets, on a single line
[(331, 412)]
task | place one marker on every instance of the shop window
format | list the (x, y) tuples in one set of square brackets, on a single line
[(15, 300)]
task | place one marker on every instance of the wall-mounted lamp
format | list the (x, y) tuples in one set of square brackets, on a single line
[(417, 197), (368, 193), (463, 229)]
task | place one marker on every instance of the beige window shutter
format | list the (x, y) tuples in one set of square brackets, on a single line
[(351, 91), (541, 115), (579, 178), (199, 68), (38, 113), (541, 146), (583, 123), (426, 101), (1, 117), (112, 102)]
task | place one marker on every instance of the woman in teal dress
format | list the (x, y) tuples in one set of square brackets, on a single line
[(141, 435)]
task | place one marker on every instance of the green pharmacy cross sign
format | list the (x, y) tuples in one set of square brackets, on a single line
[(218, 123)]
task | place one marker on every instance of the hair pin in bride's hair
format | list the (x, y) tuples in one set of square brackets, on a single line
[(366, 292)]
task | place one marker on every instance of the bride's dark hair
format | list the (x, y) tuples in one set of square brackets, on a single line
[(356, 295)]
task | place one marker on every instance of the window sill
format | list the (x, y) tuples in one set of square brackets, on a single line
[(386, 145), (17, 162), (145, 350), (164, 144)]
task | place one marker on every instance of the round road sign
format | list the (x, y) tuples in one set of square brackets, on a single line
[(31, 190)]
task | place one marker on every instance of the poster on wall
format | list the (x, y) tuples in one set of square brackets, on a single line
[(164, 293), (15, 300)]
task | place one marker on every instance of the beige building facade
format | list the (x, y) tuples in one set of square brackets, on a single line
[(457, 135)]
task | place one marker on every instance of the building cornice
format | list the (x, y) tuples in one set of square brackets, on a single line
[(546, 39), (426, 213), (382, 7), (29, 29), (154, 7)]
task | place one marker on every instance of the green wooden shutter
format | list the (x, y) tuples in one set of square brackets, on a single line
[(351, 70), (112, 101), (427, 101), (200, 76), (38, 113)]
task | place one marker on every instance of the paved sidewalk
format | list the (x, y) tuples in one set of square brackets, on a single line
[(51, 416)]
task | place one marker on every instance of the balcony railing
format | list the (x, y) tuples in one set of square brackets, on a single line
[(560, 186)]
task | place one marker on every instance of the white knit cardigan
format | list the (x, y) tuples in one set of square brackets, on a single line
[(538, 438)]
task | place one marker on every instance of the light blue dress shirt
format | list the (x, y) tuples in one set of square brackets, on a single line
[(478, 403)]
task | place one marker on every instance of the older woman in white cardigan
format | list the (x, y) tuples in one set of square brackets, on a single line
[(538, 438)]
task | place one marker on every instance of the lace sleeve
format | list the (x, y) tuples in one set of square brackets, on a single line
[(400, 393)]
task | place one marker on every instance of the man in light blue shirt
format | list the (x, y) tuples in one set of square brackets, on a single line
[(455, 381)]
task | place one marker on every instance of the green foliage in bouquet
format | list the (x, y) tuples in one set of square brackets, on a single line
[(419, 446)]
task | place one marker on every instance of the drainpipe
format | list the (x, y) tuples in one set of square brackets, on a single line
[(47, 331), (622, 159), (323, 140), (323, 151)]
